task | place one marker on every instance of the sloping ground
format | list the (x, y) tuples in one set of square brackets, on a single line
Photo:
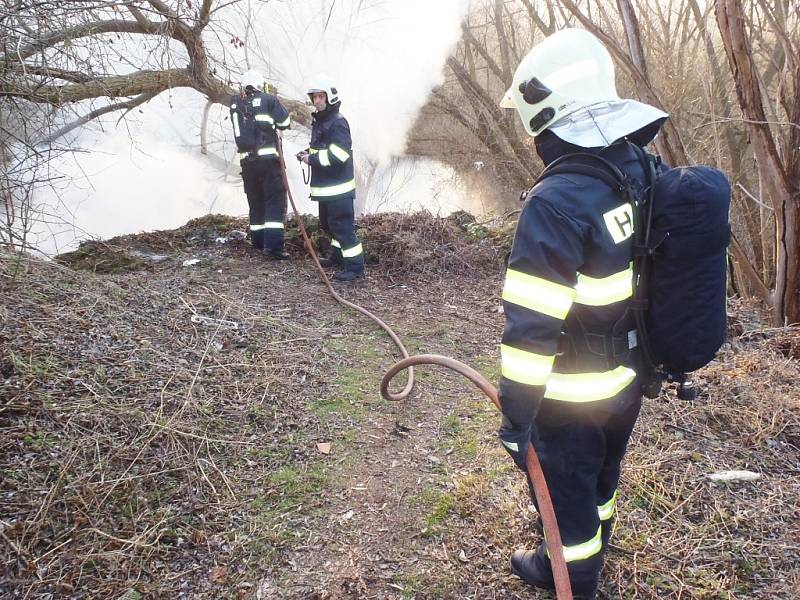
[(215, 431)]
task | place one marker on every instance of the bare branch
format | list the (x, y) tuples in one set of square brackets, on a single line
[(116, 86), (205, 12), (127, 105), (80, 31), (481, 49)]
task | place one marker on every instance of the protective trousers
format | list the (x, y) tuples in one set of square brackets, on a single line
[(581, 447), (266, 196), (337, 218)]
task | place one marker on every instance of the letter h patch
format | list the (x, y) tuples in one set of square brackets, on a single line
[(620, 223)]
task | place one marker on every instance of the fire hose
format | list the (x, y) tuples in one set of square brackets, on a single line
[(310, 248), (545, 505)]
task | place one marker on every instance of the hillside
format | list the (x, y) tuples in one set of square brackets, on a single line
[(215, 430)]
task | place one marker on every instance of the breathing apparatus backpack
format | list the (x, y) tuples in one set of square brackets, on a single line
[(247, 134), (680, 240)]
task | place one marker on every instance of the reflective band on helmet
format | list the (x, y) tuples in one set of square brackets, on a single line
[(537, 294), (585, 550), (339, 153), (273, 225), (334, 190), (605, 290), (606, 511), (267, 151), (574, 72), (324, 158), (352, 252), (335, 244), (264, 118), (525, 367), (286, 122), (588, 387), (258, 227)]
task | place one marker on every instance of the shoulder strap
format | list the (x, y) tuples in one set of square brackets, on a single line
[(608, 172)]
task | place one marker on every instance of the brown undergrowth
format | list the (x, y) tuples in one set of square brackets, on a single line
[(159, 432)]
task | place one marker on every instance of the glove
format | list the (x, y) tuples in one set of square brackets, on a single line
[(301, 155), (515, 441)]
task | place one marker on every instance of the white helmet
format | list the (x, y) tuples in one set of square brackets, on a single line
[(252, 79), (566, 72), (323, 83)]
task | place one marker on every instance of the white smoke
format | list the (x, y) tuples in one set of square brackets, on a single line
[(147, 172)]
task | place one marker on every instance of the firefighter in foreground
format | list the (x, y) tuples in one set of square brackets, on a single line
[(569, 381), (333, 184), (256, 117)]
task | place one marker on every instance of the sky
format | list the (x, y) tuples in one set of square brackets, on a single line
[(147, 172)]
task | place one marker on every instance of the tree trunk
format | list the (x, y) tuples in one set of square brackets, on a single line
[(779, 187)]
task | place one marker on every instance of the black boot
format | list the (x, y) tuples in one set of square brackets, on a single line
[(326, 263), (534, 568), (348, 275), (276, 254)]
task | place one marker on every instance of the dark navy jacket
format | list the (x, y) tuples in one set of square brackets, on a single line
[(567, 294), (331, 157), (255, 118)]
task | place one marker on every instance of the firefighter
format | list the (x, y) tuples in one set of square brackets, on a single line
[(257, 117), (333, 184), (569, 381)]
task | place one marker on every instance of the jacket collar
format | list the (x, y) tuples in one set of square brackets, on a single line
[(328, 113)]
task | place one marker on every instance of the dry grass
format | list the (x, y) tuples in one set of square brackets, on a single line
[(134, 435)]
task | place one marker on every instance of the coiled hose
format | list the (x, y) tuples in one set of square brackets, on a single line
[(560, 575)]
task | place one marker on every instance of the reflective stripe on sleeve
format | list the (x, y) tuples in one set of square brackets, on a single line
[(588, 387), (264, 118), (606, 511), (340, 153), (334, 190), (285, 123), (336, 244), (267, 151), (605, 290), (352, 252), (324, 158), (584, 550), (537, 294), (236, 130), (525, 367)]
